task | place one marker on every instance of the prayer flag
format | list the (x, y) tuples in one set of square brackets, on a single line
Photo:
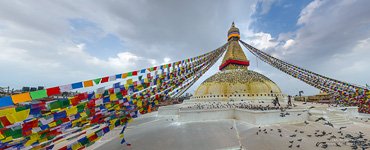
[(97, 81), (118, 76), (88, 83), (65, 88), (53, 91), (22, 97), (124, 75), (38, 94), (104, 79), (6, 101), (112, 78), (77, 85)]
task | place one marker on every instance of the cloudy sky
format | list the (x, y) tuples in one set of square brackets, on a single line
[(53, 43)]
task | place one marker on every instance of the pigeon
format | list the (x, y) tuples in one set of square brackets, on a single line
[(257, 133), (294, 135), (321, 118), (291, 141), (298, 146), (344, 109), (342, 128), (329, 124), (290, 146), (295, 130), (301, 131), (300, 140), (309, 135), (336, 144), (281, 135), (298, 114)]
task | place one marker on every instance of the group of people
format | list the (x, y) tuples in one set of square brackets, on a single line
[(232, 105)]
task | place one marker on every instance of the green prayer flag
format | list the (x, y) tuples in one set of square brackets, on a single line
[(65, 103), (97, 81), (119, 95), (55, 105), (38, 94), (129, 74)]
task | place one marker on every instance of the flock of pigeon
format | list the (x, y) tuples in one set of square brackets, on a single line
[(336, 137)]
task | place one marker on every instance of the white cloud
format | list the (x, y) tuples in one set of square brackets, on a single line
[(263, 40), (307, 12), (288, 43)]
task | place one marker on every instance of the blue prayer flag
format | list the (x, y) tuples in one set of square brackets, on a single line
[(6, 101), (77, 85)]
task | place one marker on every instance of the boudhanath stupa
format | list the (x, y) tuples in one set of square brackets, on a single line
[(233, 109)]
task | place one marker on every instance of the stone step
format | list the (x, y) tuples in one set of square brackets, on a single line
[(338, 121), (342, 124)]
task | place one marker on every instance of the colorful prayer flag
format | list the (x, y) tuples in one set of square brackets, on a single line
[(22, 97)]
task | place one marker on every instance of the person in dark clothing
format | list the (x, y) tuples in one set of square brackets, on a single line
[(289, 100), (276, 101)]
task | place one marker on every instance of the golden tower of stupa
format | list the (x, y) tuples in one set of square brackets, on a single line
[(235, 81)]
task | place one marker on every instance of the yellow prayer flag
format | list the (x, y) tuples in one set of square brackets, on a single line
[(43, 140), (35, 136), (8, 139), (113, 97), (18, 116), (7, 111), (113, 121), (53, 124), (139, 103), (29, 142), (22, 97), (1, 136), (76, 146), (71, 111), (129, 81), (83, 114), (111, 127)]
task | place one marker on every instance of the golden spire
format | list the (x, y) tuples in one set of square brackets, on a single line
[(234, 57)]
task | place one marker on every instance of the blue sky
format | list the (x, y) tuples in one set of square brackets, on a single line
[(282, 17), (56, 43)]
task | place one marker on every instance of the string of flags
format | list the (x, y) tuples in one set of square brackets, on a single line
[(345, 93), (36, 121)]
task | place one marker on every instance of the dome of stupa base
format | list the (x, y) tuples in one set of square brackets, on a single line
[(238, 85)]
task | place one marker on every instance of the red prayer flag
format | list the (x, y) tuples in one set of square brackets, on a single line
[(134, 73), (104, 79), (5, 121), (53, 91)]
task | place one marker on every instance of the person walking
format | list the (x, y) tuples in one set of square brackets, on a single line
[(277, 101), (289, 100)]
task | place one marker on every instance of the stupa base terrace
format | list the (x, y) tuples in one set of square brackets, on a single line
[(184, 126)]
